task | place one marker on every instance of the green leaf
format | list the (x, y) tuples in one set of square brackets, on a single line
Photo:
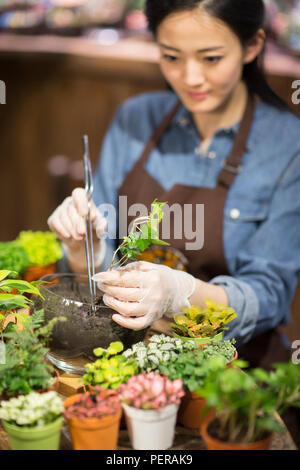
[(143, 243), (22, 286), (12, 301), (156, 241), (4, 273), (115, 348), (99, 352)]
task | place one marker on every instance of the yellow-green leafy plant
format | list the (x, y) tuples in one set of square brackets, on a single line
[(112, 369), (43, 248), (200, 322)]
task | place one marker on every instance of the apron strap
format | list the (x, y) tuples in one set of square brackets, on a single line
[(160, 130), (232, 165)]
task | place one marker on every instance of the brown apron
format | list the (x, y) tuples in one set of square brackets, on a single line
[(140, 187)]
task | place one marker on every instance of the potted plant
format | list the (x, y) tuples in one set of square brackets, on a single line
[(25, 369), (111, 369), (246, 405), (223, 348), (13, 298), (160, 349), (13, 258), (33, 421), (151, 402), (93, 419), (43, 250), (191, 368), (203, 324)]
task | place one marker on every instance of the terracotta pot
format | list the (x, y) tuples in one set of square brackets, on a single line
[(213, 443), (233, 359), (190, 410), (123, 424), (93, 433), (34, 273)]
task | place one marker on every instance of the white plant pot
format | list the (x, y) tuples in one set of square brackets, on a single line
[(151, 429)]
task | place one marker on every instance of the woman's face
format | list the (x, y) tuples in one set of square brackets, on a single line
[(201, 58)]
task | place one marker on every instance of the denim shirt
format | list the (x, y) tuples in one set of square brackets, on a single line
[(261, 229)]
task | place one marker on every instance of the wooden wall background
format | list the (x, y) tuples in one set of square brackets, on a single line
[(54, 96)]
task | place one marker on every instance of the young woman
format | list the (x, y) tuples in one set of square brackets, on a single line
[(220, 138)]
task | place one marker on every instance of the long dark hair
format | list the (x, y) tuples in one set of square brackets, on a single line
[(244, 17)]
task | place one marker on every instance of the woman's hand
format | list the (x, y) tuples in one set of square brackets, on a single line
[(146, 291), (68, 223)]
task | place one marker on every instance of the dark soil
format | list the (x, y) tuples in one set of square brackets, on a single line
[(85, 328)]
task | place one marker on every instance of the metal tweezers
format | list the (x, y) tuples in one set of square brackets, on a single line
[(89, 249)]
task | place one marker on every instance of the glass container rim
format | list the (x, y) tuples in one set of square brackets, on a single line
[(61, 275)]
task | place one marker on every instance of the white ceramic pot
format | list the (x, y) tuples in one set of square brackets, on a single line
[(151, 429)]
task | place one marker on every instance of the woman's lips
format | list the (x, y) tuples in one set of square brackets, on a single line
[(197, 96)]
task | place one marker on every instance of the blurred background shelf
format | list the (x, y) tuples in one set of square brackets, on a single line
[(57, 89)]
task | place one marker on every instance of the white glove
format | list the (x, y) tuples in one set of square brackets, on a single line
[(68, 223), (146, 291)]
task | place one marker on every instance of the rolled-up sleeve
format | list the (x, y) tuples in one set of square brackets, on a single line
[(243, 299), (268, 267)]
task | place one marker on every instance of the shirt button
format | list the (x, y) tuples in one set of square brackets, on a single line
[(212, 155), (234, 213), (198, 150), (184, 121)]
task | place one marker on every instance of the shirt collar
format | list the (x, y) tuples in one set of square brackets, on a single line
[(183, 119)]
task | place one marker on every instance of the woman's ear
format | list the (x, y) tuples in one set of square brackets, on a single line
[(254, 46)]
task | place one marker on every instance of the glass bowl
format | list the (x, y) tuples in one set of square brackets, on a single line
[(73, 341)]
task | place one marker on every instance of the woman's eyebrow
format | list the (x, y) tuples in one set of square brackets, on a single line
[(207, 49)]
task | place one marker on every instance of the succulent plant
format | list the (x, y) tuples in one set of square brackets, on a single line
[(151, 391), (198, 322), (99, 403), (112, 369), (161, 348)]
